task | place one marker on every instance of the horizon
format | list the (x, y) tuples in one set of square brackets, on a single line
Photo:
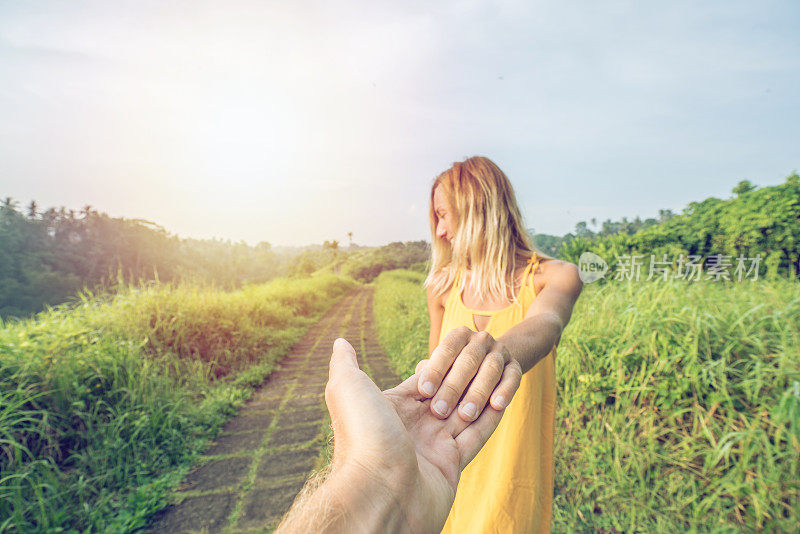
[(298, 123), (21, 207)]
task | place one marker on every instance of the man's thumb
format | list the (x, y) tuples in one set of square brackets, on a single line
[(343, 357)]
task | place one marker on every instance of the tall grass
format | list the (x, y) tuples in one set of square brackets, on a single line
[(401, 318), (103, 402), (678, 404)]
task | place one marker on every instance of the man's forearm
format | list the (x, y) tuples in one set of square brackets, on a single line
[(346, 501), (532, 339)]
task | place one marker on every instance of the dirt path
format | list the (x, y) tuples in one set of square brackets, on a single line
[(251, 473)]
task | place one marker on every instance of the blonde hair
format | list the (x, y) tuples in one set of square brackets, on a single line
[(489, 236)]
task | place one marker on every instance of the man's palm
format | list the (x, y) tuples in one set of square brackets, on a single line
[(394, 436)]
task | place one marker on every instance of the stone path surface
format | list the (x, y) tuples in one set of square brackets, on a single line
[(252, 472)]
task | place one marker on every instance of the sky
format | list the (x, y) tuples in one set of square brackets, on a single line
[(297, 122)]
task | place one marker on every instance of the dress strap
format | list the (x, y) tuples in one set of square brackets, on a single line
[(527, 280)]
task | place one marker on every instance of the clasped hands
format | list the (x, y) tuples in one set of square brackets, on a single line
[(397, 459), (466, 363)]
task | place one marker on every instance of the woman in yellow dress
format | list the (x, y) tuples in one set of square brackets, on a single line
[(493, 300)]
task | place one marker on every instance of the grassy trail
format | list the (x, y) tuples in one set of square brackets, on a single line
[(254, 469)]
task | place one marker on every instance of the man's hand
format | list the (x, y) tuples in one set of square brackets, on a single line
[(395, 465), (472, 364)]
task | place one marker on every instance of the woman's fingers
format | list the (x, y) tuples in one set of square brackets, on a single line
[(441, 359), (484, 383), (463, 370), (470, 440), (509, 383)]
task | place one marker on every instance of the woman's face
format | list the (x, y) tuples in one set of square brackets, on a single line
[(445, 225)]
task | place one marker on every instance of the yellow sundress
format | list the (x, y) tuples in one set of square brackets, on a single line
[(508, 486)]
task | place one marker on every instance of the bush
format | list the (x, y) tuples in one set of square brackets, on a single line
[(102, 404)]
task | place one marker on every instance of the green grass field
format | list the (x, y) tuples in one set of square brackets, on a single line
[(105, 403), (678, 403)]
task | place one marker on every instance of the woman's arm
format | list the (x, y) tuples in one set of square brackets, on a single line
[(535, 336), (436, 312), (475, 359)]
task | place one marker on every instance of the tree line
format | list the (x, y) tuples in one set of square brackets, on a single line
[(48, 256), (755, 222)]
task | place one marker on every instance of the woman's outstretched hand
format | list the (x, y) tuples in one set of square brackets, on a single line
[(393, 453), (468, 363)]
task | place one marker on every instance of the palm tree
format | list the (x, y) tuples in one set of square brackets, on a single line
[(9, 204), (581, 230), (664, 215), (350, 236), (50, 216), (33, 209)]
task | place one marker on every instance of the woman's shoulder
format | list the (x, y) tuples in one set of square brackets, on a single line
[(546, 269), (439, 281), (442, 274)]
